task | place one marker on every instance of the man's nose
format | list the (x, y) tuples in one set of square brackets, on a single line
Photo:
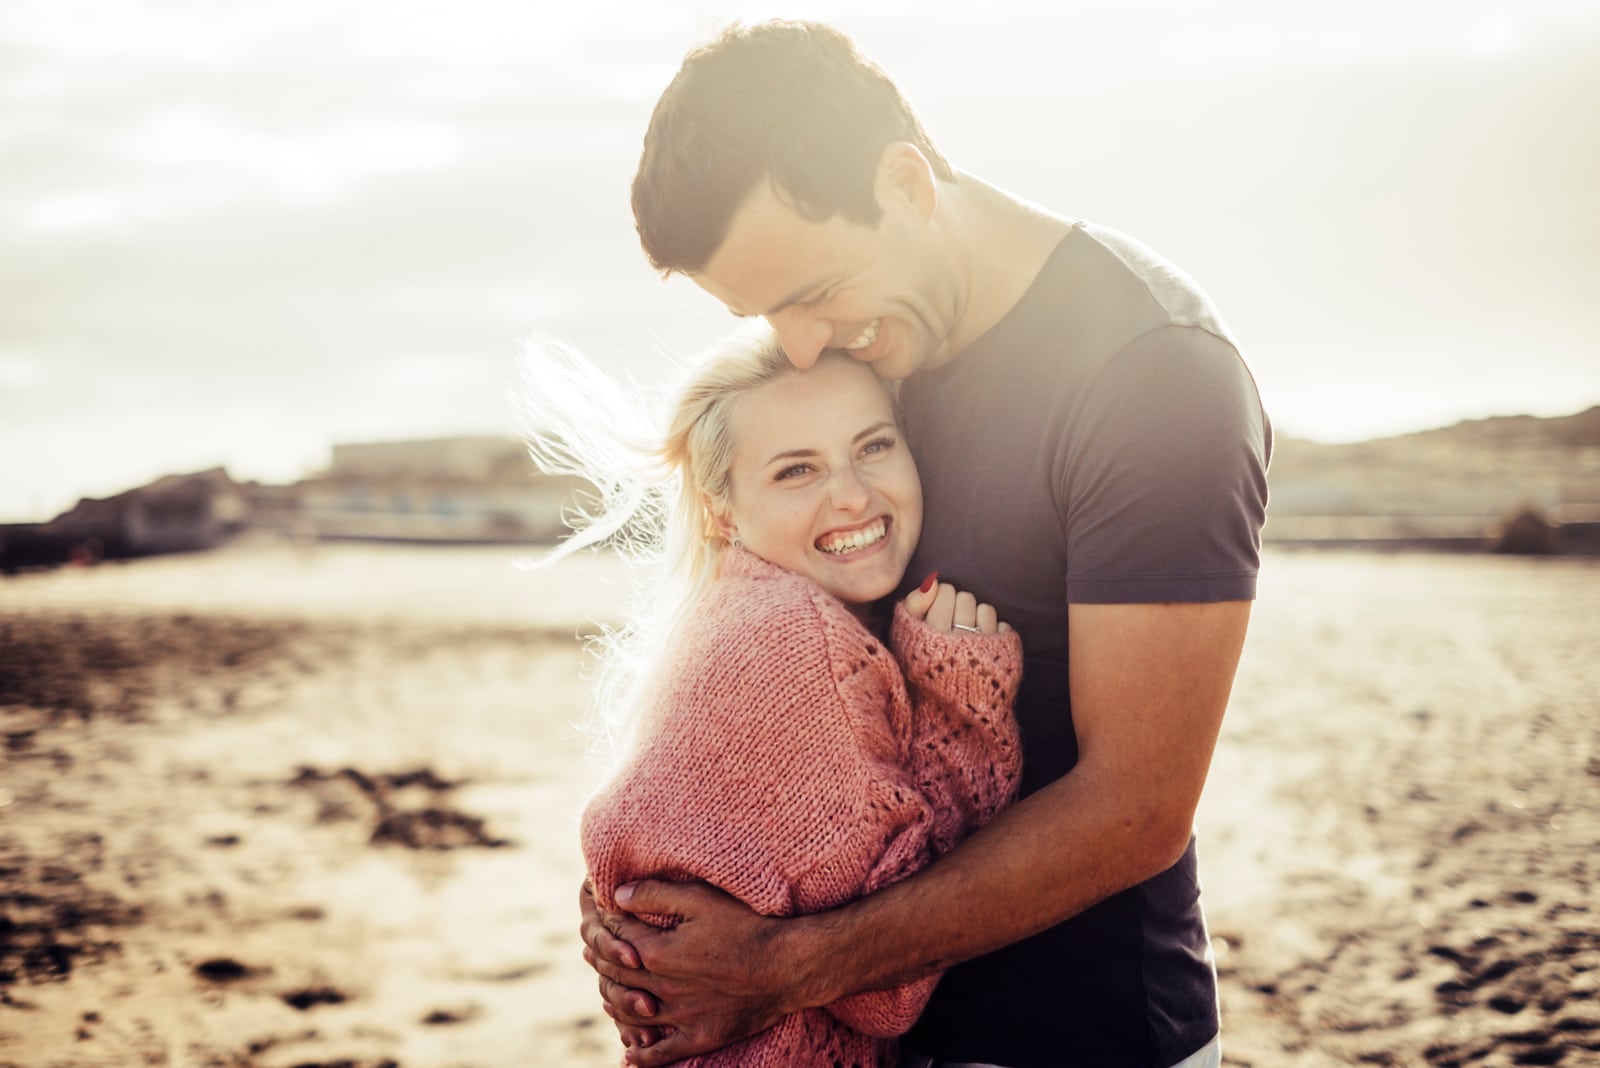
[(802, 336)]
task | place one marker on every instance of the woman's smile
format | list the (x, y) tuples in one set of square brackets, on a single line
[(852, 542)]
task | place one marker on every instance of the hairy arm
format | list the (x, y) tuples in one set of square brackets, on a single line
[(1149, 683)]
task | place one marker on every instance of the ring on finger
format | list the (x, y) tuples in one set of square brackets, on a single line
[(963, 626)]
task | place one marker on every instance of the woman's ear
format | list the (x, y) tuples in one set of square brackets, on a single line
[(718, 523)]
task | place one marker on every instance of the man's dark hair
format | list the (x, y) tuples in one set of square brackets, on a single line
[(790, 102)]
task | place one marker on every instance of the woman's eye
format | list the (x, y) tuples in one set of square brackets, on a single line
[(792, 471), (878, 445)]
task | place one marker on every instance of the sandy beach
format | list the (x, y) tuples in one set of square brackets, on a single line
[(279, 807)]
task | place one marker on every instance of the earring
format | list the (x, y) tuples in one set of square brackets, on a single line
[(736, 543)]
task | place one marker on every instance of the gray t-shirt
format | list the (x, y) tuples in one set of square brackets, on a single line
[(1104, 443)]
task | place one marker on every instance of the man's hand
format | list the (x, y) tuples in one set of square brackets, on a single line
[(710, 981), (600, 945)]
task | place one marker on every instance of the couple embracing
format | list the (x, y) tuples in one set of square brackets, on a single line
[(955, 563)]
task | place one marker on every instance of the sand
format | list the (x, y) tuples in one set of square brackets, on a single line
[(281, 808)]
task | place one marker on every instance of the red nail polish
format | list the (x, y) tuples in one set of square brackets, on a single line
[(927, 583)]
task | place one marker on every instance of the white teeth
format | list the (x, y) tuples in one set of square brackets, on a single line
[(865, 338), (849, 543)]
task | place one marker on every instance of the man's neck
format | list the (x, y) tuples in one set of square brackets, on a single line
[(997, 244)]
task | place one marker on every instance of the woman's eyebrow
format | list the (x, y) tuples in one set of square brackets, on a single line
[(791, 454)]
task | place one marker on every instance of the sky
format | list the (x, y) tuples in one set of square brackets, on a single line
[(237, 232)]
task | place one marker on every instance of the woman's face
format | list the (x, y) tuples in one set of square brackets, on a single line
[(822, 481)]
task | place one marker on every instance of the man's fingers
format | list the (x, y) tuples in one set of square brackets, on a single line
[(594, 931), (642, 1037), (629, 977), (673, 1047), (657, 897), (625, 1004), (607, 948)]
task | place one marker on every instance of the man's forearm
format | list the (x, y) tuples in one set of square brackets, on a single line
[(1065, 848), (1149, 687)]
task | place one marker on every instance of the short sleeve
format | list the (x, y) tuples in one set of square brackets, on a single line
[(1161, 484)]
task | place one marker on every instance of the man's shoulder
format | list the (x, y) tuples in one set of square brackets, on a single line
[(1100, 295), (1123, 312), (1178, 294)]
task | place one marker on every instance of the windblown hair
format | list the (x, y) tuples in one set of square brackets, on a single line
[(655, 494), (793, 103)]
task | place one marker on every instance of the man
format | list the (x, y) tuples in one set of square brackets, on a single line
[(1093, 453)]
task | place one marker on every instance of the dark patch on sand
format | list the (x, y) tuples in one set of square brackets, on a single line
[(50, 926), (406, 808), (223, 970), (79, 668), (449, 1017), (311, 997)]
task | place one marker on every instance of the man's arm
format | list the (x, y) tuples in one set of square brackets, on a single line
[(1149, 686)]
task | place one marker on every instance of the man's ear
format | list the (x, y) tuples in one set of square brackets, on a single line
[(905, 179)]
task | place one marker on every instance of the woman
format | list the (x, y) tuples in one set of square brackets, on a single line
[(779, 749)]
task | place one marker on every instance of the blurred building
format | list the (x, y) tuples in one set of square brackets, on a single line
[(176, 513), (448, 491), (467, 489)]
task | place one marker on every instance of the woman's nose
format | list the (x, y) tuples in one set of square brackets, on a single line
[(850, 492)]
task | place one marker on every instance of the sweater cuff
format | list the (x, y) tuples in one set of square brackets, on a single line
[(982, 669)]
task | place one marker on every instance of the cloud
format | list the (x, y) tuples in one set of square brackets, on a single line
[(345, 213)]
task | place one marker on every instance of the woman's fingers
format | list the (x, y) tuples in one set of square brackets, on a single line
[(919, 600), (966, 614), (943, 607), (943, 610)]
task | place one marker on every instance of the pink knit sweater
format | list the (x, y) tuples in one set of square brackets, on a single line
[(785, 761)]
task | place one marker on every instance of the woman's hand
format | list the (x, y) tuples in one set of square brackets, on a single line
[(943, 607)]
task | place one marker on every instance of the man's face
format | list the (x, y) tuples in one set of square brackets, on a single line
[(875, 292)]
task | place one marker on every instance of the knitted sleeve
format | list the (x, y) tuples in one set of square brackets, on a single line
[(966, 752), (762, 769), (964, 760), (780, 763), (896, 847)]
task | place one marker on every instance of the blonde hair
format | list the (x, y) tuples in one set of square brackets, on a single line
[(655, 495)]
